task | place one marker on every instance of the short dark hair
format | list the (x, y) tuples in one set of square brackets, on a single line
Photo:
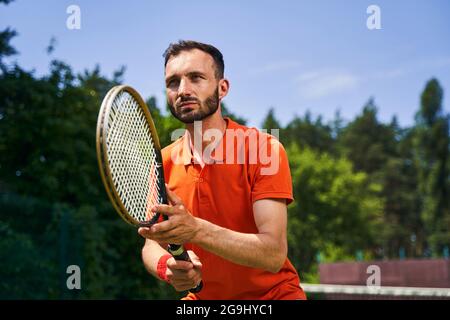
[(184, 45)]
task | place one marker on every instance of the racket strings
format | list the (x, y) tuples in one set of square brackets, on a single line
[(132, 157)]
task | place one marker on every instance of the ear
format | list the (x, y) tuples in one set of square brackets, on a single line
[(224, 86)]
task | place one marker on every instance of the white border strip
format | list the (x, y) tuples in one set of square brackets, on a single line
[(375, 290)]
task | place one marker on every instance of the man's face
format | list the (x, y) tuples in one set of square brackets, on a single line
[(191, 86)]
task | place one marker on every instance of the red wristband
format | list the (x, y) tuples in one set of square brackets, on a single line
[(162, 267)]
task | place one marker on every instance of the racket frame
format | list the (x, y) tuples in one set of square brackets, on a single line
[(177, 251), (105, 172)]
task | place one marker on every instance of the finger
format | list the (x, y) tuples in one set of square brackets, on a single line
[(173, 198), (164, 209), (163, 226), (180, 274), (183, 288), (171, 236), (186, 284), (158, 235), (183, 283), (194, 275), (197, 264), (195, 259), (173, 265), (145, 232)]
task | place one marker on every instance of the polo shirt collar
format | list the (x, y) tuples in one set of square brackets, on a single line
[(186, 151)]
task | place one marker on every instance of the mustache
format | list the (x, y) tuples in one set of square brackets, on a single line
[(187, 99)]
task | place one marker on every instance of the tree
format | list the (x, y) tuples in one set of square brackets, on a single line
[(270, 122), (272, 126), (367, 142), (5, 37), (5, 48), (383, 151), (54, 205), (431, 155), (306, 132), (335, 208)]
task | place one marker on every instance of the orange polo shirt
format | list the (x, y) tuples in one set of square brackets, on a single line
[(247, 165)]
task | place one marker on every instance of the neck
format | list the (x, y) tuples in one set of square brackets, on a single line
[(197, 130)]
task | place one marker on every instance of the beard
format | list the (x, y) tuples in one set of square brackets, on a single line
[(206, 108)]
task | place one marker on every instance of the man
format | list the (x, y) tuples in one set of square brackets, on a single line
[(228, 204)]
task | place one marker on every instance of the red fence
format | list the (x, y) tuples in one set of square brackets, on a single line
[(431, 273)]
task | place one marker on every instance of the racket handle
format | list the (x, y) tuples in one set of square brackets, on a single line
[(178, 252)]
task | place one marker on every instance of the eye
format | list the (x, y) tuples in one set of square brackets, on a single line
[(196, 77), (172, 83)]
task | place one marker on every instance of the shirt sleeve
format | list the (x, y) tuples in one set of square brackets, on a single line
[(271, 175)]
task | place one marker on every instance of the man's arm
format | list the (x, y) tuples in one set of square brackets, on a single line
[(266, 249), (182, 275), (151, 253)]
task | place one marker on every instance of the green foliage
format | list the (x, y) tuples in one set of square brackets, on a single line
[(270, 122), (54, 207), (307, 132), (330, 200), (383, 151), (367, 142), (431, 143), (5, 37), (48, 137), (22, 267)]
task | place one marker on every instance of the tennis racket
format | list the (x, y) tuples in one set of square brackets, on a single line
[(130, 161)]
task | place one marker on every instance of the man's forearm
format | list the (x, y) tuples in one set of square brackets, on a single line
[(251, 250), (151, 252)]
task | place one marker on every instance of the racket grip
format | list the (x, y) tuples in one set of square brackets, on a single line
[(178, 252)]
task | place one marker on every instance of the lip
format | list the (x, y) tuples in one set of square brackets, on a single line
[(187, 104)]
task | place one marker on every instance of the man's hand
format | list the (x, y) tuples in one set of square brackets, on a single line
[(183, 275), (181, 226)]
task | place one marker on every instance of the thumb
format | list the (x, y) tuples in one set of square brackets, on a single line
[(195, 259), (172, 197)]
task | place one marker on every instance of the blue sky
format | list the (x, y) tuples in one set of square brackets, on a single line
[(290, 55)]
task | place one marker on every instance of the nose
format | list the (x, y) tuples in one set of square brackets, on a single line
[(185, 88)]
